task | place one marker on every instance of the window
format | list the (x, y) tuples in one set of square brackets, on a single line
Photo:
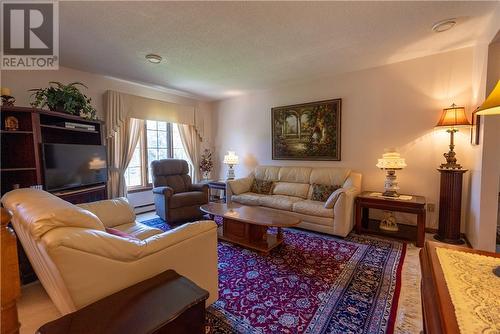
[(160, 140)]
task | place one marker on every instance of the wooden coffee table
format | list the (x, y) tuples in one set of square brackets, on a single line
[(247, 226)]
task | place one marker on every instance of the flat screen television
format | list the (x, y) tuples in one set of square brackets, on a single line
[(70, 166)]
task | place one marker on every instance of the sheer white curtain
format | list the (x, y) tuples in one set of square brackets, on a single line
[(121, 149), (122, 136), (191, 142)]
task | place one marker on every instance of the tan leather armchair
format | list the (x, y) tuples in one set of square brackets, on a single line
[(176, 198), (79, 260)]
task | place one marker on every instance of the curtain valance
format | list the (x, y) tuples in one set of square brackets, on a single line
[(121, 106)]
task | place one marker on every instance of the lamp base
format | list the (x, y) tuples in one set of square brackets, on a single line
[(451, 160), (390, 193), (391, 185), (230, 173)]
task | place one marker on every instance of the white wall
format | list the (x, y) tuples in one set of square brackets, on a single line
[(391, 106), (483, 214), (20, 81)]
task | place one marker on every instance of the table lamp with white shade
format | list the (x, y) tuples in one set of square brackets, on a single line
[(390, 162), (230, 159)]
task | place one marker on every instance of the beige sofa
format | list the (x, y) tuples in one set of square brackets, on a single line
[(292, 190), (79, 262)]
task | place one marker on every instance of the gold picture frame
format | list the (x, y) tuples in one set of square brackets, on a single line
[(308, 131)]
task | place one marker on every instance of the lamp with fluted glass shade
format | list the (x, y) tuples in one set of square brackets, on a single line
[(230, 159), (390, 162), (452, 118), (491, 106)]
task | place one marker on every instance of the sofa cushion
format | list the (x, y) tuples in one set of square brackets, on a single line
[(268, 173), (291, 189), (119, 233), (314, 208), (247, 198), (138, 230), (41, 212), (240, 186), (321, 192), (278, 201), (111, 212), (295, 174), (261, 187), (188, 198), (329, 175)]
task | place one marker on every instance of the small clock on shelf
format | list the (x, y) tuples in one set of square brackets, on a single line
[(11, 123)]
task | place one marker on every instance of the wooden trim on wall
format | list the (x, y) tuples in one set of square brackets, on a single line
[(10, 281)]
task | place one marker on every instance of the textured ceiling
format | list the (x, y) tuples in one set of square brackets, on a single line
[(219, 49)]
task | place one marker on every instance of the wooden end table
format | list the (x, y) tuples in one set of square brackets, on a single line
[(217, 185), (438, 310), (166, 303), (415, 205)]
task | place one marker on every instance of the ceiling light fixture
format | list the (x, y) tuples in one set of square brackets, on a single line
[(153, 58), (444, 25)]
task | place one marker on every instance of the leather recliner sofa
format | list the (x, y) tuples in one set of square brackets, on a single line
[(78, 260)]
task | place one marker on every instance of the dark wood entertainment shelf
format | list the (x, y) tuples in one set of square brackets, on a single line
[(21, 156), (15, 132), (16, 169)]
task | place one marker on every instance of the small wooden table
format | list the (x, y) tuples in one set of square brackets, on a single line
[(247, 226), (166, 303), (217, 185), (438, 310), (415, 205)]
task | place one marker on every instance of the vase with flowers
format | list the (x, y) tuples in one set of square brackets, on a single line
[(206, 163)]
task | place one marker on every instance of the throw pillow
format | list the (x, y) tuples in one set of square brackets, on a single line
[(321, 192), (261, 187)]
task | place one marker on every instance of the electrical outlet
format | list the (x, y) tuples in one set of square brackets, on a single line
[(431, 207)]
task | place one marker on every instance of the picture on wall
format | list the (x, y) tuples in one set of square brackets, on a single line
[(309, 131)]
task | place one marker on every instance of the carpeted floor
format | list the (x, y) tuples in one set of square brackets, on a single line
[(313, 283)]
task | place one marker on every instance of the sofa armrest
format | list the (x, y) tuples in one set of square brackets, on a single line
[(167, 191), (239, 186), (343, 211), (199, 187), (122, 249), (170, 238)]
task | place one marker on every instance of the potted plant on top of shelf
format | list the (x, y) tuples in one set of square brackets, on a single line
[(64, 98)]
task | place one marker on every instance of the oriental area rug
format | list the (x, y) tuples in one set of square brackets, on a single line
[(313, 283)]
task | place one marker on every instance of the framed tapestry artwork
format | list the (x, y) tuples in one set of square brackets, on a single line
[(309, 131)]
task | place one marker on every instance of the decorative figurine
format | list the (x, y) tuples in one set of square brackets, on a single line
[(11, 123), (389, 222)]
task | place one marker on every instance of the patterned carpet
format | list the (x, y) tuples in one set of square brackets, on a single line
[(313, 283)]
